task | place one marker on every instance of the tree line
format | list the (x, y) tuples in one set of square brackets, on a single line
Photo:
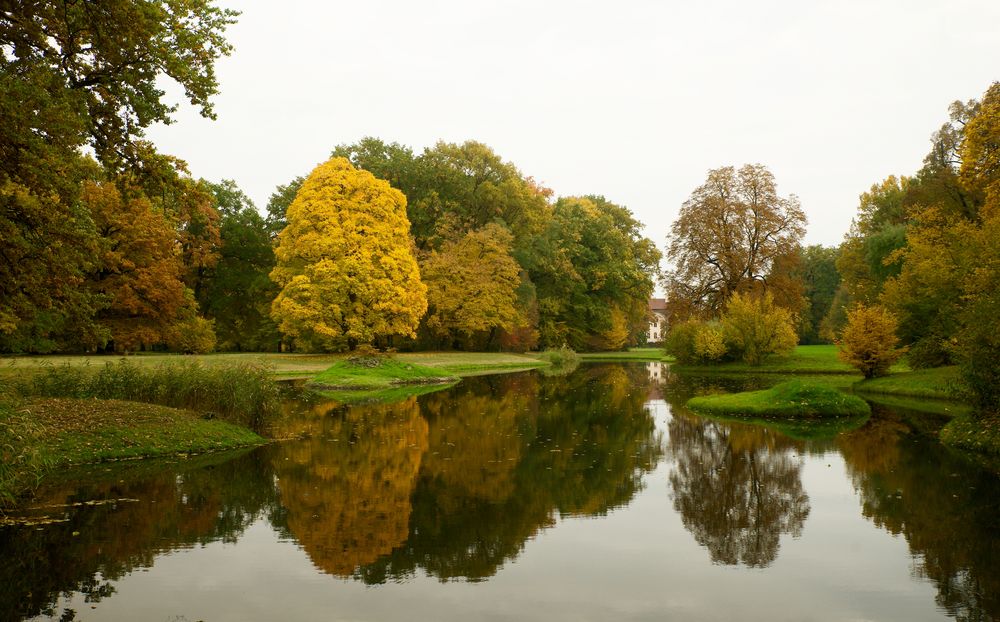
[(110, 245)]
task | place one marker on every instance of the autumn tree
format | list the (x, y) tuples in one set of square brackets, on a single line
[(869, 340), (727, 238), (472, 285), (753, 327), (138, 270), (345, 262)]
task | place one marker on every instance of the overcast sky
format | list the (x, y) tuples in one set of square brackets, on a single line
[(632, 100)]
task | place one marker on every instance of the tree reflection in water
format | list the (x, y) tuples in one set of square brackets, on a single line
[(737, 488), (945, 506)]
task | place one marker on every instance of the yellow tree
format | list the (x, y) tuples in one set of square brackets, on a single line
[(472, 284), (345, 262)]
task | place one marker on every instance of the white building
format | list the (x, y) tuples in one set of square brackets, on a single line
[(657, 320)]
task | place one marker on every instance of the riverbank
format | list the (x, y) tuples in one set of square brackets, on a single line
[(40, 435), (818, 359)]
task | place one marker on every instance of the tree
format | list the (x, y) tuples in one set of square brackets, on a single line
[(96, 66), (472, 285), (869, 340), (728, 236), (345, 262), (238, 291), (278, 204), (818, 272), (593, 271), (753, 327), (138, 271)]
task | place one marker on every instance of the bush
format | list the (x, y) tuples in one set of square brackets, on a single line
[(694, 342), (244, 393), (193, 335), (869, 340), (560, 358), (753, 327)]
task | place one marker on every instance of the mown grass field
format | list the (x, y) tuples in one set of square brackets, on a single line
[(819, 359)]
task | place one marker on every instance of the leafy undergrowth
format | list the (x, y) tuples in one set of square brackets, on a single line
[(41, 434), (788, 400), (974, 433), (943, 383), (384, 372)]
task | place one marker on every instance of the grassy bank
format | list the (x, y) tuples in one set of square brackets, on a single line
[(942, 383), (649, 355), (792, 399), (820, 359), (980, 434), (374, 373), (39, 435)]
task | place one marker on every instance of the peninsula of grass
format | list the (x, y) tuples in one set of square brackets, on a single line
[(644, 355), (968, 431), (792, 399), (940, 383), (375, 373), (817, 359), (40, 435)]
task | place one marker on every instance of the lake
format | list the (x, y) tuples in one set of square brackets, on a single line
[(590, 496)]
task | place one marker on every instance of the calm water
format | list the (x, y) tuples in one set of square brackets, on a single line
[(594, 496)]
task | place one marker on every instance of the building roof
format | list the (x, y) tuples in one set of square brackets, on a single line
[(657, 304)]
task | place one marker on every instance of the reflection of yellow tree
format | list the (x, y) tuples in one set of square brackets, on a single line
[(943, 505), (347, 487), (737, 487)]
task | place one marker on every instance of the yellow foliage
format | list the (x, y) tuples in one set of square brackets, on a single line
[(754, 327), (869, 340), (472, 283), (709, 344), (345, 262)]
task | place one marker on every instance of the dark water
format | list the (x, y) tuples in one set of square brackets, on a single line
[(589, 497)]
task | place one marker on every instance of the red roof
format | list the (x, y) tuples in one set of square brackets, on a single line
[(657, 304)]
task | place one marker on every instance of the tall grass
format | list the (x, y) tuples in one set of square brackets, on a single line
[(242, 393), (20, 461), (563, 361)]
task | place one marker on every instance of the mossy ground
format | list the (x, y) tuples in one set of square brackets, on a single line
[(792, 399), (38, 435)]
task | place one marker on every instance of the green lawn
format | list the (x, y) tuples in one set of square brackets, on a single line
[(937, 383), (655, 355), (821, 359), (385, 372), (792, 399)]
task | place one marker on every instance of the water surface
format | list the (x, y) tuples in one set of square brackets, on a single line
[(594, 496)]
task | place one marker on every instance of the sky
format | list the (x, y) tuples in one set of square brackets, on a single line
[(633, 100)]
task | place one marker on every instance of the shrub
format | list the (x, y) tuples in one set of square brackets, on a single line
[(868, 342), (709, 344), (753, 327), (562, 357), (694, 342), (193, 335)]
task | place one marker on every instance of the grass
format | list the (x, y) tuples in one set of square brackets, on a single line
[(942, 383), (381, 373), (979, 434), (241, 393), (821, 359), (654, 355), (792, 399), (39, 435)]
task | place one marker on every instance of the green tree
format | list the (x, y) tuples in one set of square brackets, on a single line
[(345, 262), (819, 275), (728, 237), (278, 203), (594, 273), (238, 292)]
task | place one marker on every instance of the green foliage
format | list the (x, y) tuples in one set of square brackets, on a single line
[(193, 335), (243, 393), (754, 328), (681, 342), (869, 340), (238, 292), (788, 399), (976, 433), (562, 358), (818, 271)]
